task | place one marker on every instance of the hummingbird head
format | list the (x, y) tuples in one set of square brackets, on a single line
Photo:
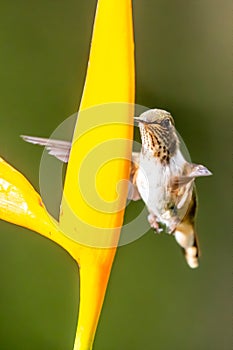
[(158, 133)]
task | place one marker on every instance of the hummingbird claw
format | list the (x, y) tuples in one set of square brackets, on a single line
[(154, 223)]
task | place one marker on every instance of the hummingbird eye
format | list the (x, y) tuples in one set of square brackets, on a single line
[(165, 123)]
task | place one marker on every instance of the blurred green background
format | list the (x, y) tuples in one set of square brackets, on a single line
[(183, 64)]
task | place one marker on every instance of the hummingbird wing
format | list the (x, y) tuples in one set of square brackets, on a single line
[(133, 193), (186, 235), (191, 172), (57, 148), (61, 150)]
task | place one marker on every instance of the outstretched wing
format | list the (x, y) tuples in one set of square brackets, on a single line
[(61, 150), (57, 148)]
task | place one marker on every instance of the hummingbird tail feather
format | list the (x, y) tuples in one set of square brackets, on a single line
[(186, 235), (187, 239)]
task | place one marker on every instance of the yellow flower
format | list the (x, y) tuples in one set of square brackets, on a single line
[(99, 153)]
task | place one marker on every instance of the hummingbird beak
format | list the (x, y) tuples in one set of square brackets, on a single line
[(138, 120)]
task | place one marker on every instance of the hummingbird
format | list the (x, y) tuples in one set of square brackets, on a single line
[(160, 176)]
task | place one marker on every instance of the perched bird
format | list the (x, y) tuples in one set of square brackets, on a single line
[(160, 175)]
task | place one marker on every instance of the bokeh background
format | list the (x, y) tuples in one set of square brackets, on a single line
[(184, 65)]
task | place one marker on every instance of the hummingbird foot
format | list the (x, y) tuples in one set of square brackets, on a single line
[(154, 223)]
